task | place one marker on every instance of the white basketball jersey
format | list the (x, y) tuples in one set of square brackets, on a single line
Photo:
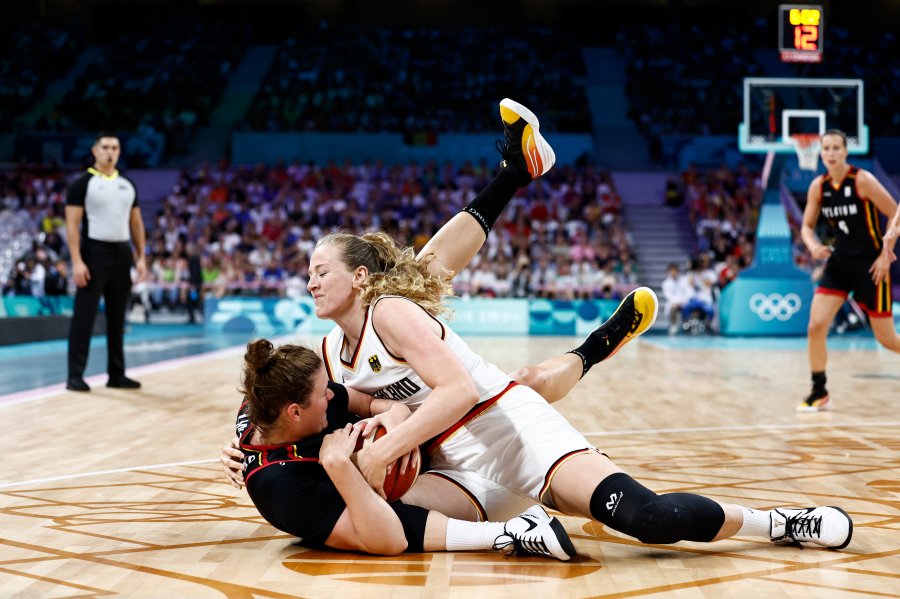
[(372, 369)]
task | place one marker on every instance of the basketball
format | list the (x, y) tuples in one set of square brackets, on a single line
[(396, 485)]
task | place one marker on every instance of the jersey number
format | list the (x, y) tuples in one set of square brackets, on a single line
[(842, 225)]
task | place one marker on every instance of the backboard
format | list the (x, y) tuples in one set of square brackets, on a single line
[(774, 109)]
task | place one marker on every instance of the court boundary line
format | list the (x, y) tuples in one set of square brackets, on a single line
[(51, 479), (754, 427)]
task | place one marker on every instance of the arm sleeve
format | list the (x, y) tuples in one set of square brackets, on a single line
[(77, 191)]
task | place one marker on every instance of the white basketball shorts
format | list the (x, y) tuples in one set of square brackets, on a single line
[(505, 452)]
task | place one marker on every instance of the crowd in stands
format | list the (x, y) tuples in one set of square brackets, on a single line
[(165, 81), (33, 256), (254, 229), (723, 206), (32, 56), (233, 231), (419, 81), (688, 82)]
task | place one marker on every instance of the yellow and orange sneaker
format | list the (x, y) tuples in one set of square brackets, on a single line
[(817, 401), (524, 147), (634, 316)]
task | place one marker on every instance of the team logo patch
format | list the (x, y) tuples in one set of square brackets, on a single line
[(374, 363)]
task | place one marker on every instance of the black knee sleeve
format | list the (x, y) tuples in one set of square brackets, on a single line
[(413, 519), (627, 506)]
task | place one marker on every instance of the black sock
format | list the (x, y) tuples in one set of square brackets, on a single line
[(490, 201), (818, 381), (594, 350), (584, 361)]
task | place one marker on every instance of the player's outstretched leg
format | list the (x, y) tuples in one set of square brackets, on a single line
[(635, 315), (524, 147), (526, 156), (535, 532)]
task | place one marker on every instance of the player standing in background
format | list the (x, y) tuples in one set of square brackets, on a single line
[(850, 199)]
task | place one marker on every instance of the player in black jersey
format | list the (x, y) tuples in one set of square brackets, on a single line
[(297, 435), (850, 199)]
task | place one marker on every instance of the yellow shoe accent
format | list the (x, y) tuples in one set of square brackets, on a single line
[(508, 115), (820, 404), (645, 302), (532, 156), (647, 305)]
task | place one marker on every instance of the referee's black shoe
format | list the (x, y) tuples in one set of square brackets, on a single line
[(76, 383), (123, 382)]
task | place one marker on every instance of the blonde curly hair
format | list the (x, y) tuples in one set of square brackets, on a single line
[(392, 271)]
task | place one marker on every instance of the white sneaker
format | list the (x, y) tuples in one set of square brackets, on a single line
[(829, 527), (524, 146), (535, 532)]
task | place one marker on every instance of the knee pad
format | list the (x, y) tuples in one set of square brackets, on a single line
[(625, 505)]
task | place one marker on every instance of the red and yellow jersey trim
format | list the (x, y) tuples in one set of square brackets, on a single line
[(352, 364)]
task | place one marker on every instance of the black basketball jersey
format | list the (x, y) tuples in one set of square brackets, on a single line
[(287, 484), (854, 220)]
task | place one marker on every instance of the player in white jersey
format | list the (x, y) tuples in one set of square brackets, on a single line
[(499, 449)]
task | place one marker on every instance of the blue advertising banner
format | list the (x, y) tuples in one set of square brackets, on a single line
[(265, 317), (772, 296), (36, 306), (274, 316), (765, 306), (490, 316)]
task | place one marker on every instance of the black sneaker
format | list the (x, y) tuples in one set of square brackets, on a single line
[(635, 315), (122, 382), (817, 401), (76, 383), (523, 148)]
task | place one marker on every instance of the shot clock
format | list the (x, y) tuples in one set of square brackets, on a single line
[(800, 32)]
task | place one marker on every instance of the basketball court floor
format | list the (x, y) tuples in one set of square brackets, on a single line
[(120, 493)]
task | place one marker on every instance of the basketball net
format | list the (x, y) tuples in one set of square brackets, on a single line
[(807, 146)]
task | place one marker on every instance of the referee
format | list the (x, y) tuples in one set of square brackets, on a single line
[(102, 259)]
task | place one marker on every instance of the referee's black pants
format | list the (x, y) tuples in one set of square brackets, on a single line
[(109, 265)]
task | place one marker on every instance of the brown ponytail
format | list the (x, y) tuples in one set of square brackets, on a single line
[(274, 377)]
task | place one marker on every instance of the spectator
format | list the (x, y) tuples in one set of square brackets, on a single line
[(676, 293), (700, 282), (56, 283)]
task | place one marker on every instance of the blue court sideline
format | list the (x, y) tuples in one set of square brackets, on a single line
[(33, 365)]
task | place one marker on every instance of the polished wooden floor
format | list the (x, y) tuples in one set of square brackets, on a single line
[(118, 493)]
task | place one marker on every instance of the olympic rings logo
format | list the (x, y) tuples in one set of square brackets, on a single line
[(775, 305)]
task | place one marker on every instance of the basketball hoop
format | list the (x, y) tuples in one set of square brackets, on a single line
[(807, 146)]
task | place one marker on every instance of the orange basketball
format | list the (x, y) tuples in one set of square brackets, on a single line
[(396, 485)]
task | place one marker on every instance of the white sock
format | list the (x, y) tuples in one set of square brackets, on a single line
[(756, 523), (472, 536)]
